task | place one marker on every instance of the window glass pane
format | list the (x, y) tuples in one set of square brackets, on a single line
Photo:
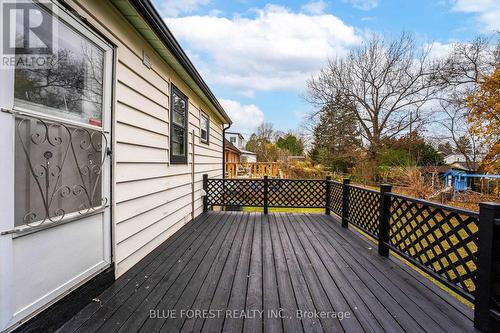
[(178, 141), (179, 110), (204, 127), (70, 85), (58, 170)]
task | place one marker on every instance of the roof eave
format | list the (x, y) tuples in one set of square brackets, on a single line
[(148, 12)]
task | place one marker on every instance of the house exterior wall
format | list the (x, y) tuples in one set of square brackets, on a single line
[(152, 199), (454, 158), (232, 156), (236, 139), (248, 157)]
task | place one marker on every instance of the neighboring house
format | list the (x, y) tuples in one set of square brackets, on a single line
[(469, 167), (248, 156), (452, 158), (459, 162), (105, 165), (236, 139), (231, 152), (239, 141)]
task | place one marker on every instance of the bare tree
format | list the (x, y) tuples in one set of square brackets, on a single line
[(468, 63), (265, 131), (460, 74), (455, 122), (385, 84)]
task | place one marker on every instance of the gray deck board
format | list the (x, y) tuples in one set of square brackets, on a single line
[(230, 263)]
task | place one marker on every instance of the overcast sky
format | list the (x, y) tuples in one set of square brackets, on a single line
[(257, 55)]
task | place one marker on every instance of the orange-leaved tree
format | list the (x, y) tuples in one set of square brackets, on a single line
[(484, 118)]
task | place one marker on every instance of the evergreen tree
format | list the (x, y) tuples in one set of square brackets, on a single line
[(336, 138), (290, 142)]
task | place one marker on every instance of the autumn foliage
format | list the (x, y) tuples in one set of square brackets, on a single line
[(484, 118)]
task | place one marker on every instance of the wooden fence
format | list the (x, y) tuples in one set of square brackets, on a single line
[(457, 247), (252, 169)]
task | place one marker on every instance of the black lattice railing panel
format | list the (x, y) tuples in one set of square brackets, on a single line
[(364, 209), (297, 193), (235, 192), (443, 240), (335, 204)]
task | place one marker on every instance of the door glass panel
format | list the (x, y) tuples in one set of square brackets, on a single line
[(70, 85), (58, 170)]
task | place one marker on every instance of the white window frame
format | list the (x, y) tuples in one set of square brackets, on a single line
[(207, 117)]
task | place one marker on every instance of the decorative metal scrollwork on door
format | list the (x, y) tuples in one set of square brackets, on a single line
[(58, 170)]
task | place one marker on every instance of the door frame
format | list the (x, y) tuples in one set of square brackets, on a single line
[(8, 109)]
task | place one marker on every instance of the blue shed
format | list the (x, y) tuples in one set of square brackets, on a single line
[(461, 180), (456, 178)]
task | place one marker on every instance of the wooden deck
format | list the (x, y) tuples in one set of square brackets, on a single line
[(276, 267)]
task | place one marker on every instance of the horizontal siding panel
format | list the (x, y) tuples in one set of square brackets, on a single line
[(129, 172), (125, 152), (130, 78), (216, 163), (132, 244), (216, 128), (130, 97), (200, 159), (126, 172), (127, 115), (130, 59), (134, 258), (206, 150), (135, 225), (194, 111), (139, 205), (137, 136), (211, 174), (128, 209), (136, 189), (206, 168)]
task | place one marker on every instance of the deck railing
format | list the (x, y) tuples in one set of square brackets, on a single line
[(457, 247), (251, 169)]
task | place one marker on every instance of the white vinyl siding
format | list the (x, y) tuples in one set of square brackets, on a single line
[(152, 197)]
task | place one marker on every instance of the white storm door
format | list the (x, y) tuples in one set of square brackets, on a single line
[(55, 137)]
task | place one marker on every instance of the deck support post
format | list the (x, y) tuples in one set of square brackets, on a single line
[(345, 202), (205, 197), (488, 265), (384, 219), (328, 194), (266, 194)]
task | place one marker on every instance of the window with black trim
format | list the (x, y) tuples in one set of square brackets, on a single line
[(178, 127), (204, 127)]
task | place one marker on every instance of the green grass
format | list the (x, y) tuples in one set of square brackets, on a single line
[(285, 210)]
